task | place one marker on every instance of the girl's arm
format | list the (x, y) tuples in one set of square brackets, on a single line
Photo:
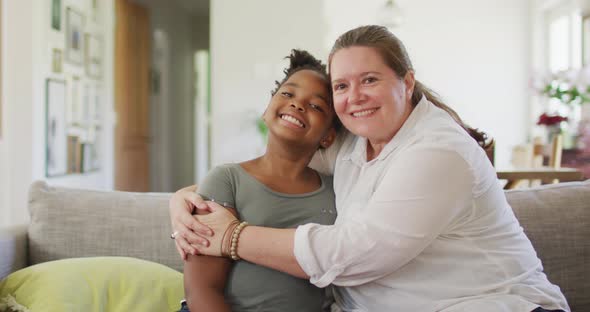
[(204, 281), (204, 277)]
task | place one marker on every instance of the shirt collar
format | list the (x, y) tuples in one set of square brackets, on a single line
[(358, 151)]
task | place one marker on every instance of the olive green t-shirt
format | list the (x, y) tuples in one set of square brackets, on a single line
[(252, 287)]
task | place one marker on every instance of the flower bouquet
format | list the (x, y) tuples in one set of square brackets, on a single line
[(568, 87), (566, 92)]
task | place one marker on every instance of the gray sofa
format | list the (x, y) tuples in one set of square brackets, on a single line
[(69, 223)]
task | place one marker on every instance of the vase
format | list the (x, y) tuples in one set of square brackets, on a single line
[(552, 131)]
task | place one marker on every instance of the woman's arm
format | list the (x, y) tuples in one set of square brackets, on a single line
[(268, 247), (271, 248), (415, 201)]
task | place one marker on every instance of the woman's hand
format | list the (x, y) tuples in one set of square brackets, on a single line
[(189, 232), (220, 219)]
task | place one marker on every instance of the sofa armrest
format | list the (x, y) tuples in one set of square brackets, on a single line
[(13, 244)]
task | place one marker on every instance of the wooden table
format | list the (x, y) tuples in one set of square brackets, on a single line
[(545, 174)]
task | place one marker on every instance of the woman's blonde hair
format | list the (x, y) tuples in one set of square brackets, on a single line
[(394, 54)]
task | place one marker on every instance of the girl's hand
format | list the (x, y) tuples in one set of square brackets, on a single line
[(222, 221), (188, 231)]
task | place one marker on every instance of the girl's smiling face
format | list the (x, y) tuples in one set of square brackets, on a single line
[(300, 110)]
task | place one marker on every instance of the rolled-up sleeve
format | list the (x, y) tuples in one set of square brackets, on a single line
[(421, 194)]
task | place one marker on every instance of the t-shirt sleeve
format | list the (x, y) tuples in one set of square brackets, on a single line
[(218, 186)]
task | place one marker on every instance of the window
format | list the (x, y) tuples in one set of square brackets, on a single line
[(564, 39), (586, 40)]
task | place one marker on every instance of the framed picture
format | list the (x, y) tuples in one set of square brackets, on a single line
[(93, 56), (90, 159), (95, 159), (74, 36), (586, 40), (96, 104), (56, 157), (74, 113), (91, 133), (96, 10), (56, 14), (86, 107), (56, 61), (86, 157), (74, 158)]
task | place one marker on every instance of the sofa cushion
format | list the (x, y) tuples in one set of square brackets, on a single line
[(93, 284), (556, 218), (71, 223)]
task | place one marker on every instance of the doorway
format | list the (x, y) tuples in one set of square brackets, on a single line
[(177, 133)]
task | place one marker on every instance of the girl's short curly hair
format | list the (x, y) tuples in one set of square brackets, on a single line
[(300, 60)]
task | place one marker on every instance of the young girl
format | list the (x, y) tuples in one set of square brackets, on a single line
[(300, 119)]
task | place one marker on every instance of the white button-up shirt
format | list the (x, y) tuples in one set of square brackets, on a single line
[(425, 226)]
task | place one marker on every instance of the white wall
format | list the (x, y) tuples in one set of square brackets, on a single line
[(16, 144), (249, 40), (27, 43), (475, 53)]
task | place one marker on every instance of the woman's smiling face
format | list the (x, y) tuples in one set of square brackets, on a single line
[(369, 98), (300, 110)]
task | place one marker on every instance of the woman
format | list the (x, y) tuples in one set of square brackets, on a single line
[(299, 118), (422, 223)]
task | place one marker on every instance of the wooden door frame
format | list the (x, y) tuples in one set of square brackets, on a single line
[(132, 63)]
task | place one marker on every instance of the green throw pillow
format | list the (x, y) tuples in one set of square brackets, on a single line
[(93, 284)]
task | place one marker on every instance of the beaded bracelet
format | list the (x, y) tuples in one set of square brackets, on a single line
[(226, 239), (233, 250)]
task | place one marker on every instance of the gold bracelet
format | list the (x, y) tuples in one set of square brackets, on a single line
[(233, 250)]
